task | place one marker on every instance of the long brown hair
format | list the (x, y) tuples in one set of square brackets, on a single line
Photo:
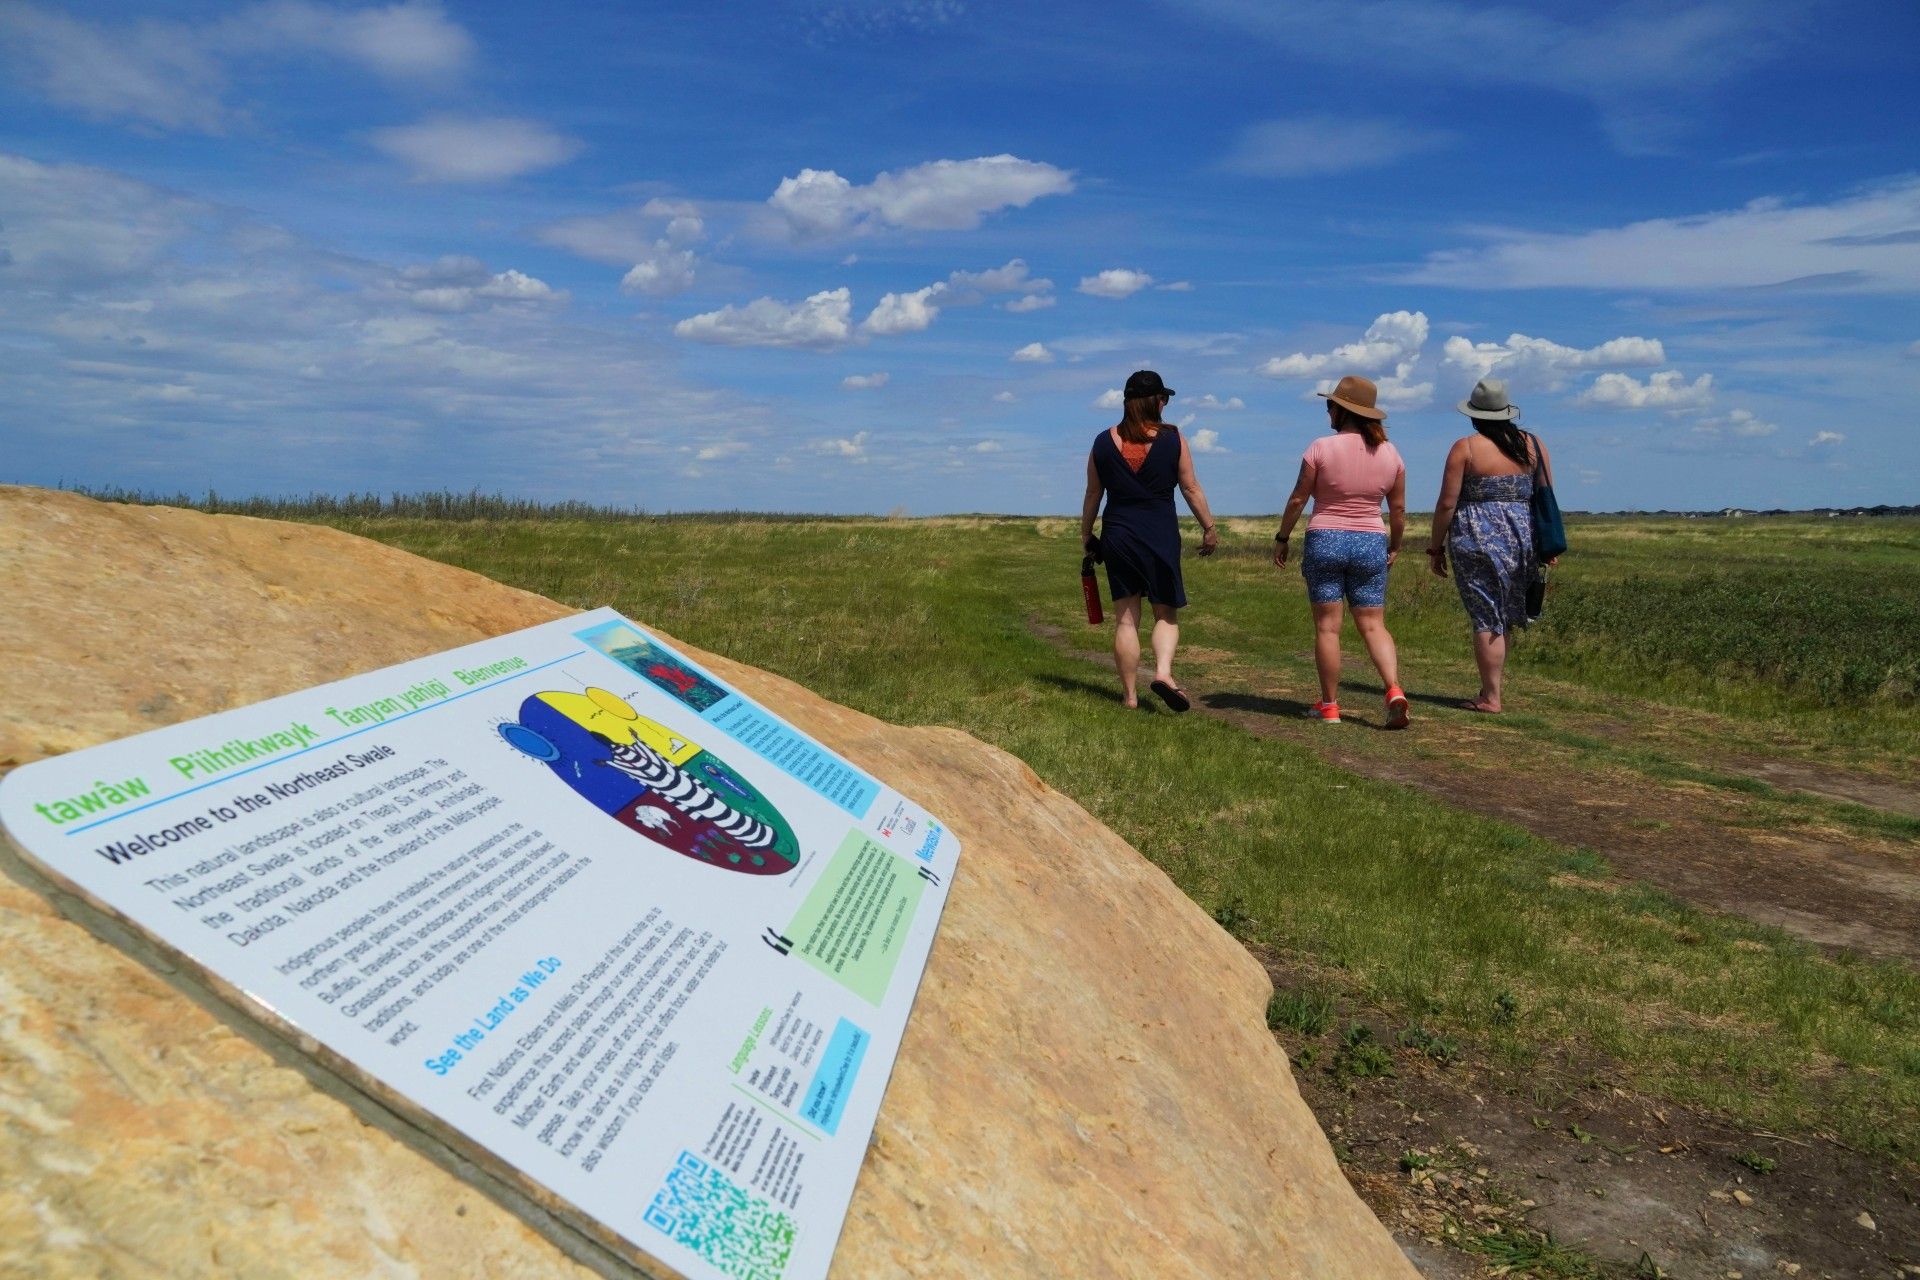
[(1507, 438), (1373, 429), (1140, 411)]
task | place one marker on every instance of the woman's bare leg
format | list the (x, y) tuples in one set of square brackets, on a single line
[(1326, 647), (1126, 646), (1166, 638), (1371, 622), (1490, 655)]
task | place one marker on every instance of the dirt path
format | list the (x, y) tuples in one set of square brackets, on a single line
[(1461, 1157), (1654, 791)]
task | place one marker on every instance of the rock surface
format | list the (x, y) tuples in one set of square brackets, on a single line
[(1086, 1088)]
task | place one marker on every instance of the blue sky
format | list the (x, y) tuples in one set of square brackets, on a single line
[(883, 254)]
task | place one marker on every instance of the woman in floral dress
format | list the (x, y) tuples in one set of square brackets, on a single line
[(1482, 524)]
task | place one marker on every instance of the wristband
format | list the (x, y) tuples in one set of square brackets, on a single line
[(1282, 537)]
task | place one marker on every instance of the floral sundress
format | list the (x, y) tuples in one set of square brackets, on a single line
[(1491, 545)]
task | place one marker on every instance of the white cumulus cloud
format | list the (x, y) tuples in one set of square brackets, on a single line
[(1537, 362), (627, 236), (822, 320), (1033, 353), (1004, 397), (986, 446), (1392, 339), (864, 381), (1823, 439), (943, 195), (1035, 292), (913, 312), (1668, 389), (471, 149), (1322, 144), (1115, 282), (853, 447), (459, 283), (1211, 401), (1014, 277), (1207, 440), (905, 312), (1110, 399), (1388, 352), (664, 272)]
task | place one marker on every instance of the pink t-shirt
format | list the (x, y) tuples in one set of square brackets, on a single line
[(1349, 481)]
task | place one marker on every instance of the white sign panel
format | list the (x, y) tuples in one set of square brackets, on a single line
[(631, 933)]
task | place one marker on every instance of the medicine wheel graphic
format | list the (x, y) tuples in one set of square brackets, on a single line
[(653, 781)]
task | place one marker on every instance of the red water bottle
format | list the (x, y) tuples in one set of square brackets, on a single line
[(1090, 588)]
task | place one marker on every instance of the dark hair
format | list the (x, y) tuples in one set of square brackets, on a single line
[(1139, 412), (1373, 429), (1506, 437)]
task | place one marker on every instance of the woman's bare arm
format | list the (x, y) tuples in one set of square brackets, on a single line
[(1197, 501), (1296, 503), (1090, 505), (1450, 482), (1396, 515)]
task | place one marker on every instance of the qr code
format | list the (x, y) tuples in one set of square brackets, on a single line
[(701, 1208)]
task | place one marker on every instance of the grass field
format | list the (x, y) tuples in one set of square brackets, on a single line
[(1477, 928), (1801, 637)]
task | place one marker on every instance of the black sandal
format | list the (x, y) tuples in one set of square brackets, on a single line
[(1172, 694)]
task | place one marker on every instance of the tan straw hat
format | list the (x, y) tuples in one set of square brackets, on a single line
[(1356, 395)]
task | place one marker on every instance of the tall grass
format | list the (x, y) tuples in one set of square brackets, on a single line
[(1830, 638)]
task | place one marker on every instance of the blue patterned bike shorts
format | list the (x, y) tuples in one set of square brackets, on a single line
[(1346, 562)]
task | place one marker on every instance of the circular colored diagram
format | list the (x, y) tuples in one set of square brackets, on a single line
[(651, 780)]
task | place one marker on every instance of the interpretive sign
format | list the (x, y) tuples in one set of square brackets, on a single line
[(644, 944)]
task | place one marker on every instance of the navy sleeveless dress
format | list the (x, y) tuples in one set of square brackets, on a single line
[(1139, 532)]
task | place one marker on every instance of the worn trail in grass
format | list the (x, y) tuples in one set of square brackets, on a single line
[(1665, 809)]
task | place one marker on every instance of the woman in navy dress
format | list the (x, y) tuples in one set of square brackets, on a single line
[(1136, 465)]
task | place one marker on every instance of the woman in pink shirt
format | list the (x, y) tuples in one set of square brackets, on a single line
[(1348, 547)]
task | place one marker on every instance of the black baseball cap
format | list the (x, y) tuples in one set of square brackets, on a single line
[(1146, 383)]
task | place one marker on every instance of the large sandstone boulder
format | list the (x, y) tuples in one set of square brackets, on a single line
[(1086, 1088)]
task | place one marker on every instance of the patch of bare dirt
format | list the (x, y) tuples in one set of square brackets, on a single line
[(1453, 1155), (1855, 893), (1834, 784), (1833, 889)]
